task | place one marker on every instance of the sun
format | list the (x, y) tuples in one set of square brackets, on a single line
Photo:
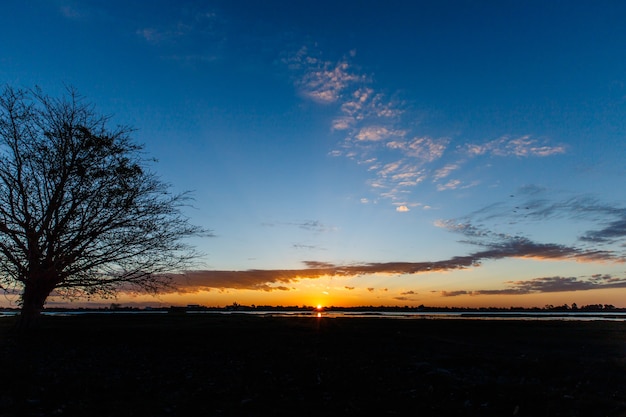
[(319, 307)]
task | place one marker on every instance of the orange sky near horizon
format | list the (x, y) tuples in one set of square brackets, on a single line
[(346, 299), (342, 292)]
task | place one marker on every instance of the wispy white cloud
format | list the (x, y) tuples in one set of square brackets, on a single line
[(375, 127), (410, 177), (377, 133), (320, 80), (371, 161), (456, 184), (524, 146), (444, 172), (396, 177), (365, 105), (369, 121), (355, 105), (390, 168), (424, 149), (343, 123), (450, 185)]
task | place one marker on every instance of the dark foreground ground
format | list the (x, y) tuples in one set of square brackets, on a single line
[(200, 365)]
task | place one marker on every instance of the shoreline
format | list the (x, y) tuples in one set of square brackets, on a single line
[(331, 314)]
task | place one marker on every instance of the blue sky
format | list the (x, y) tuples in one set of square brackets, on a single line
[(364, 152)]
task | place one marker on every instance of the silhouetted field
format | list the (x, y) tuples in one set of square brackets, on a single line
[(211, 365)]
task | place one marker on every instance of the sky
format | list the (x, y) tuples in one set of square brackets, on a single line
[(444, 153)]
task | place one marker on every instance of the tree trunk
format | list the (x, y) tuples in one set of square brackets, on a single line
[(33, 299)]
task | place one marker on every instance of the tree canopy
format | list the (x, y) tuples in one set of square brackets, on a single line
[(81, 213)]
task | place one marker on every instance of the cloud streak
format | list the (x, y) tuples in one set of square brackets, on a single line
[(308, 225), (613, 232), (279, 279), (549, 285), (282, 279), (607, 223)]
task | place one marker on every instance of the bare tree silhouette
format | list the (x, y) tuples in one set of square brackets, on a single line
[(80, 212)]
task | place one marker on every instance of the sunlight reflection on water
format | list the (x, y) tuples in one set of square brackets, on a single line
[(583, 316)]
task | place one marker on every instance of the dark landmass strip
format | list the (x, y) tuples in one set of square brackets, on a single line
[(238, 365)]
